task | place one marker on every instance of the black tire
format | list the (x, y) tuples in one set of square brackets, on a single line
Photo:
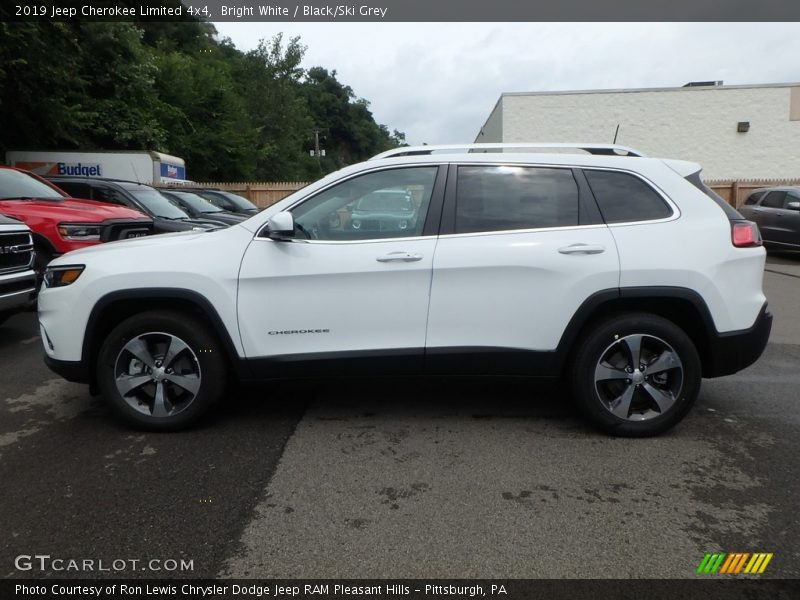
[(199, 364), (636, 403)]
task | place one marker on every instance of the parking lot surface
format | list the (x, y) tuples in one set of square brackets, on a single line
[(404, 478)]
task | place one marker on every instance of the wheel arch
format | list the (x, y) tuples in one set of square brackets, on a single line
[(682, 306), (43, 241), (117, 306)]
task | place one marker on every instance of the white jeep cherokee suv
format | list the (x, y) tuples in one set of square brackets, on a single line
[(621, 273)]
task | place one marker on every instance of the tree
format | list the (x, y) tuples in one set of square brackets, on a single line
[(174, 87)]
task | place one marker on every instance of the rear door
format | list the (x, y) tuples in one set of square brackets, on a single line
[(521, 248)]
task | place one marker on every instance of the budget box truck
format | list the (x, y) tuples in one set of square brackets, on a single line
[(140, 166)]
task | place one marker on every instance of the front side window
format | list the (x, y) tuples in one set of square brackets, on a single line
[(774, 200), (624, 198), (502, 198), (382, 204)]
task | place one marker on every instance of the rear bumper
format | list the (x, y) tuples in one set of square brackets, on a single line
[(733, 351)]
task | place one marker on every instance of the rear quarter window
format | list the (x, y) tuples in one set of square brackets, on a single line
[(624, 198)]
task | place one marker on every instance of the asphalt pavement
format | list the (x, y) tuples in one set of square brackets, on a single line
[(403, 478)]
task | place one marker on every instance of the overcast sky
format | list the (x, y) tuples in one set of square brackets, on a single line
[(438, 82)]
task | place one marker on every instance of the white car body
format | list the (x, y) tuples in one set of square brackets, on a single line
[(282, 303)]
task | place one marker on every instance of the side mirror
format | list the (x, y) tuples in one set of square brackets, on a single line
[(280, 226), (793, 206)]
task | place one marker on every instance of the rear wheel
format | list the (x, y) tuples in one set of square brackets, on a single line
[(161, 370), (636, 375)]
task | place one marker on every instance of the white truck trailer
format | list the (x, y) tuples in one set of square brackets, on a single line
[(141, 166)]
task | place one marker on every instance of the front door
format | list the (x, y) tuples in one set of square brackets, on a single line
[(353, 282)]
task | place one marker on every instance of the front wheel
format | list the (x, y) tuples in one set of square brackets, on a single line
[(161, 370), (636, 375)]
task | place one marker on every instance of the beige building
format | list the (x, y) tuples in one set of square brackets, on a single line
[(735, 132)]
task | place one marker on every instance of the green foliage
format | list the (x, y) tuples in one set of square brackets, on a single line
[(176, 88)]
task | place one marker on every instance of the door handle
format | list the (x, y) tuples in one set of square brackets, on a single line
[(400, 257), (582, 249)]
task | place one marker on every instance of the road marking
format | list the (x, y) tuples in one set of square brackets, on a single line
[(782, 273)]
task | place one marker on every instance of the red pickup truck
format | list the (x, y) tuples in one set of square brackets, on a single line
[(60, 223)]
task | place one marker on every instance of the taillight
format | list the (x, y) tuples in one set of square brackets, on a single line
[(745, 234)]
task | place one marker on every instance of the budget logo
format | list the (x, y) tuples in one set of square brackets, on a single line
[(734, 563)]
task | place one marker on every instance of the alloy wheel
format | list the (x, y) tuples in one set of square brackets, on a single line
[(157, 374), (639, 377)]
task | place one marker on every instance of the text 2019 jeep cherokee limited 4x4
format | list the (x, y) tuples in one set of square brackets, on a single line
[(622, 274)]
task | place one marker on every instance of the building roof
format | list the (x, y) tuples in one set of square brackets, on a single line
[(685, 88)]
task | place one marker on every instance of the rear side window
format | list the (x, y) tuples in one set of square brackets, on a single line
[(502, 198), (774, 200), (624, 198)]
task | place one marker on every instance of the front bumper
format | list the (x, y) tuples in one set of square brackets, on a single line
[(17, 291), (733, 351), (75, 371)]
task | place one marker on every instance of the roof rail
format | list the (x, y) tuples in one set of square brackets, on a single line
[(606, 149)]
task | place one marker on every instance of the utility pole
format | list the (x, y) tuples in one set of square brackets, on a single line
[(316, 144)]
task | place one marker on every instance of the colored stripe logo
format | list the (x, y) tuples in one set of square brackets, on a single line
[(734, 563)]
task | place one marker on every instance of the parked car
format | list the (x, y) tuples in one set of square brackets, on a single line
[(385, 210), (166, 216), (17, 277), (777, 212), (200, 208), (623, 275), (228, 201), (60, 223)]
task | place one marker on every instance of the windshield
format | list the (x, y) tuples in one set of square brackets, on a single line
[(16, 184), (158, 205), (197, 203), (385, 201), (238, 201)]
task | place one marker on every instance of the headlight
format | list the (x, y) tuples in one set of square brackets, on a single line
[(62, 275), (79, 232)]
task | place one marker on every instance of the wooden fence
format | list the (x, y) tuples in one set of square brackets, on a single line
[(736, 192), (265, 194), (262, 194)]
